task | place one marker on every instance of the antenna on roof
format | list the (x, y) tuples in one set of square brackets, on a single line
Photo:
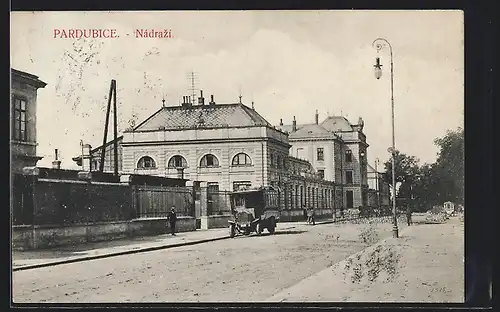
[(240, 94), (193, 80)]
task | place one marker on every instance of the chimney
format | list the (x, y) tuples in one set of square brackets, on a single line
[(281, 122), (186, 101), (56, 164), (316, 117), (212, 102), (201, 99), (294, 124), (86, 157)]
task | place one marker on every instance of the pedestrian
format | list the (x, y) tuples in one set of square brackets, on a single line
[(305, 212), (172, 219), (408, 215), (310, 216)]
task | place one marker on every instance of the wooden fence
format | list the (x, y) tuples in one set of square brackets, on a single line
[(157, 201)]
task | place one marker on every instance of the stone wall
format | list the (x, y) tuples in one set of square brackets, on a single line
[(46, 236), (215, 222)]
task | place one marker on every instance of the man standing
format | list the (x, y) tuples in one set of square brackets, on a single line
[(408, 215), (172, 219)]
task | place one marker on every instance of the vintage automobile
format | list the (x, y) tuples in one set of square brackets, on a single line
[(254, 210)]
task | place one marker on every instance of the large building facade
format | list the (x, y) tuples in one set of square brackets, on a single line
[(337, 150), (229, 146), (23, 139)]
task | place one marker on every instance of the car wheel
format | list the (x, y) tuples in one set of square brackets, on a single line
[(232, 231), (272, 226), (258, 228)]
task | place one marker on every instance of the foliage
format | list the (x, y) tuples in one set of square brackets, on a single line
[(432, 184)]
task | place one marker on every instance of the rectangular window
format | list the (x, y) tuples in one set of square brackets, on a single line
[(321, 173), (348, 156), (319, 154), (301, 153), (241, 185), (213, 187), (348, 177), (19, 122)]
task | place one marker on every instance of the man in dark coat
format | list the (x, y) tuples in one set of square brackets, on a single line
[(408, 215), (172, 219)]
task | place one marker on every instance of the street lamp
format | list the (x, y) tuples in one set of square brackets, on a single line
[(377, 161), (379, 44), (361, 162)]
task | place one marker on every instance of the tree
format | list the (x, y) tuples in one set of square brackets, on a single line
[(449, 166), (406, 171)]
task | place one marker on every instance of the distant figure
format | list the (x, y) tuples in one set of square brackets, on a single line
[(310, 216), (305, 212), (408, 215), (172, 219)]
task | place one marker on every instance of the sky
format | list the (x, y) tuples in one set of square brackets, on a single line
[(290, 63)]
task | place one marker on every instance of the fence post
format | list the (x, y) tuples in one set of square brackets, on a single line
[(204, 205), (31, 173), (126, 179), (190, 185)]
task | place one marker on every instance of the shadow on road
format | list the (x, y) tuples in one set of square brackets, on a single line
[(285, 232)]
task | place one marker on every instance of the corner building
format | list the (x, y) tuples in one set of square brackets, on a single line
[(337, 150)]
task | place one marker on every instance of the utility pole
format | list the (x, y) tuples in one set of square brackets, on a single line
[(112, 96)]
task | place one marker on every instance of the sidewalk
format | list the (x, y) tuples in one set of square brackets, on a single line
[(426, 264), (67, 254)]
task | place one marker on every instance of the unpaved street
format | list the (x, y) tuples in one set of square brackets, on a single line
[(240, 269)]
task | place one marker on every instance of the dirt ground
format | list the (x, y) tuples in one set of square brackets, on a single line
[(240, 269), (426, 264)]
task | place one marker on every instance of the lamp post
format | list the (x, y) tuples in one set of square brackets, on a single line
[(361, 160), (377, 182), (379, 44)]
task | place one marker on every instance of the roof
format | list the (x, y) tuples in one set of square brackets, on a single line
[(337, 123), (311, 129), (203, 116), (329, 126), (118, 139), (32, 79)]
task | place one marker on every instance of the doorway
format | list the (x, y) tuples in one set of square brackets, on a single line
[(349, 199)]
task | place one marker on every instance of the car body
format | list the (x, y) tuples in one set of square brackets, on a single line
[(254, 210)]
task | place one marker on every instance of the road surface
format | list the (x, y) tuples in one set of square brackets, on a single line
[(244, 269)]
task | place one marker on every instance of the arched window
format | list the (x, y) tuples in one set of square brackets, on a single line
[(209, 160), (241, 159), (146, 162), (177, 161)]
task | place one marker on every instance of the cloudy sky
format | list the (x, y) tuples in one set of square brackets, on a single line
[(290, 63)]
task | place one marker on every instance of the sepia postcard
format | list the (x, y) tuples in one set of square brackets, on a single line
[(237, 156)]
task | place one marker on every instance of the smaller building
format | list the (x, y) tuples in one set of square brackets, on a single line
[(378, 188), (109, 156), (23, 140)]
